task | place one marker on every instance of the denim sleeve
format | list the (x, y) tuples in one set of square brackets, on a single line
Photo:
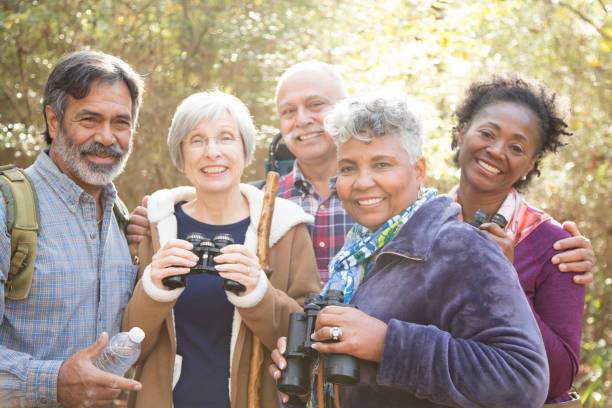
[(24, 381)]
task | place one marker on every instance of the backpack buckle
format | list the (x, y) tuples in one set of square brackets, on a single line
[(6, 167)]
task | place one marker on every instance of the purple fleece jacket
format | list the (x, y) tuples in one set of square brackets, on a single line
[(460, 331), (557, 303)]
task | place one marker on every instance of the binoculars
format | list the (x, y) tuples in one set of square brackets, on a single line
[(337, 368), (481, 217), (206, 251)]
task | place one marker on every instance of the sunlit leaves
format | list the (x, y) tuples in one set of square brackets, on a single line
[(432, 49)]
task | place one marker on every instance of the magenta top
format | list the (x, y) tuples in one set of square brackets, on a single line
[(557, 303)]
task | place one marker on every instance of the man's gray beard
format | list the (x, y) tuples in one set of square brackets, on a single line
[(95, 174)]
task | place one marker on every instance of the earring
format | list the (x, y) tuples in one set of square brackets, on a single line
[(420, 193), (524, 178)]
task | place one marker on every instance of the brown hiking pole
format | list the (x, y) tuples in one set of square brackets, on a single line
[(263, 239)]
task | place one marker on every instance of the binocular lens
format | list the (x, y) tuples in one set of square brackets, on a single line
[(341, 369), (173, 282), (500, 220), (295, 380), (479, 218)]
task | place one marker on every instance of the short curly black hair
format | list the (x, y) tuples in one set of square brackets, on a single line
[(518, 89)]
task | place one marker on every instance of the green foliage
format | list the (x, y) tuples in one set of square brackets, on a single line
[(432, 49)]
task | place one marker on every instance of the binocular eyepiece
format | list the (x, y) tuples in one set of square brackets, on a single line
[(337, 368), (481, 217), (206, 250)]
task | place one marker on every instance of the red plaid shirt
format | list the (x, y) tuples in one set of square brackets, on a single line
[(331, 223)]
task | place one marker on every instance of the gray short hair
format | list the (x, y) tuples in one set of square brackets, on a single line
[(374, 114), (312, 65), (210, 106), (75, 73)]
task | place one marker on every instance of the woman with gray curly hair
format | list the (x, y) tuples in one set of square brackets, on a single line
[(441, 319), (200, 326)]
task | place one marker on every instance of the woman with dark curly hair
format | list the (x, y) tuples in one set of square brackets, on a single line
[(505, 127)]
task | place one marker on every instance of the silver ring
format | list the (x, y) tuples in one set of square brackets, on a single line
[(336, 333)]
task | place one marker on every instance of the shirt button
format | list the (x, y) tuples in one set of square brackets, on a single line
[(322, 244), (93, 235)]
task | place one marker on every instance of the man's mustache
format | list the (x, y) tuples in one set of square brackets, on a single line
[(99, 149), (296, 134)]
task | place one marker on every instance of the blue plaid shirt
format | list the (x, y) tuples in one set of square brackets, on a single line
[(82, 283)]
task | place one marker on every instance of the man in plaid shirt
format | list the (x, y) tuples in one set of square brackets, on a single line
[(83, 274), (305, 93)]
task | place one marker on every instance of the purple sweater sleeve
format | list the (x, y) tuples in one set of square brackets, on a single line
[(557, 304)]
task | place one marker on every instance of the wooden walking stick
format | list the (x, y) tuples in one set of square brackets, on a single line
[(263, 239)]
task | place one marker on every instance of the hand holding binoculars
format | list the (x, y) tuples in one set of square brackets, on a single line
[(481, 217), (206, 250), (337, 368)]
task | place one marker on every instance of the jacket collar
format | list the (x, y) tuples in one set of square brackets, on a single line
[(286, 214), (417, 236)]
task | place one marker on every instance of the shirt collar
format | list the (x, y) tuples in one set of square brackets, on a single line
[(64, 186), (299, 181), (303, 184), (332, 183)]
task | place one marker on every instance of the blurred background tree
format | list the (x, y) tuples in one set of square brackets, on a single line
[(432, 49)]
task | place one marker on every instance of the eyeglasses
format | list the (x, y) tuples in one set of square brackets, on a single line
[(201, 143)]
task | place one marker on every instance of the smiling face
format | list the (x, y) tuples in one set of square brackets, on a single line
[(498, 147), (304, 99), (94, 141), (376, 180), (214, 155)]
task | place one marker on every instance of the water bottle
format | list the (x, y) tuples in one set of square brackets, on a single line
[(121, 352)]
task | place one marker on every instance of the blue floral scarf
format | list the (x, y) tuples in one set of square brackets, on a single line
[(352, 265)]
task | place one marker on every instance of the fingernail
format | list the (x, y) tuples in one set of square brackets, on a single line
[(282, 365), (563, 267), (138, 386), (555, 259), (286, 399), (282, 349), (557, 246), (276, 374)]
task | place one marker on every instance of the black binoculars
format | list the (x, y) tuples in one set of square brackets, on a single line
[(206, 251), (481, 217), (337, 368)]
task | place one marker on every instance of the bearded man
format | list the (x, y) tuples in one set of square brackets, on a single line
[(83, 274)]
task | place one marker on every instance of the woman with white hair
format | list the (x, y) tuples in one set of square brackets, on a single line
[(441, 319), (199, 336)]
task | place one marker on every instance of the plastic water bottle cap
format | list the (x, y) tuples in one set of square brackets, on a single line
[(136, 334)]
